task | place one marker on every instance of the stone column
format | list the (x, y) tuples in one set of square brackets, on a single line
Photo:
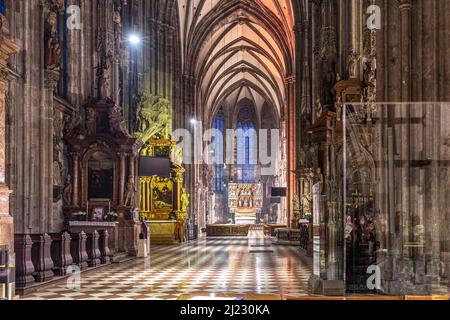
[(7, 48), (122, 174), (51, 78), (405, 27), (76, 183), (189, 89), (291, 165)]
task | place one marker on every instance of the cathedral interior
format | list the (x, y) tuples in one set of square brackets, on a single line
[(282, 149)]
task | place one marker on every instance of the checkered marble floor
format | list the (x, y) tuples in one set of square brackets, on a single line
[(218, 265)]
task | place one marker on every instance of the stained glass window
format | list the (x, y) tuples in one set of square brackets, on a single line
[(246, 142), (218, 150), (2, 6)]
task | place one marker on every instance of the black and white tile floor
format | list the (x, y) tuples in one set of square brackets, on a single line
[(219, 265)]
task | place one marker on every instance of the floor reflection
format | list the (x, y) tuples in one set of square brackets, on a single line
[(220, 265)]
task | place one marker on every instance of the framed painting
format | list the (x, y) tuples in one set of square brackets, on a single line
[(162, 194), (100, 176)]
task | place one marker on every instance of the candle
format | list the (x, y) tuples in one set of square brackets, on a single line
[(87, 207), (109, 207)]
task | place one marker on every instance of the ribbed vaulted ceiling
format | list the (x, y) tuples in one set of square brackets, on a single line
[(238, 49)]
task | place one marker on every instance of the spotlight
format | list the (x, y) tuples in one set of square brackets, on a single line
[(134, 39)]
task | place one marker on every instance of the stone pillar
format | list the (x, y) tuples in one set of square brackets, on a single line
[(132, 174), (46, 152), (292, 146), (7, 48), (405, 27), (189, 89), (122, 173), (76, 183)]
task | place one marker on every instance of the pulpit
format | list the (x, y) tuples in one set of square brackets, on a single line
[(103, 174)]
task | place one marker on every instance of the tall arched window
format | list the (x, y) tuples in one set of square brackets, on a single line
[(218, 149), (246, 143), (2, 6)]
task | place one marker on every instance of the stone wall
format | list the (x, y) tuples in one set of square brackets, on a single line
[(406, 60), (39, 113)]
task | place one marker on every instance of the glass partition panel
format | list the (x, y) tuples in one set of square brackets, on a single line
[(396, 198)]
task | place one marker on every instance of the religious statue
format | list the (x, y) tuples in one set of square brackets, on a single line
[(117, 122), (57, 168), (319, 109), (369, 73), (319, 179), (178, 156), (67, 192), (154, 118), (329, 81), (52, 48), (370, 85), (90, 120), (306, 204), (352, 65), (297, 206), (104, 75), (130, 199), (117, 19), (71, 122), (184, 201)]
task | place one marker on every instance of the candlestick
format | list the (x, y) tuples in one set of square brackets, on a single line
[(109, 207)]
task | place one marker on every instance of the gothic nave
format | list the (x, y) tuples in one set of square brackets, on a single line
[(224, 149)]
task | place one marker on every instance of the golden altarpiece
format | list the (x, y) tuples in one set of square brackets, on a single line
[(163, 200)]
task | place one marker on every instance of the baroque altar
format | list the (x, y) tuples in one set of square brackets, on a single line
[(102, 188), (163, 200)]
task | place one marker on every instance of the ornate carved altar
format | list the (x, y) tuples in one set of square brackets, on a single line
[(163, 201), (245, 199), (103, 172)]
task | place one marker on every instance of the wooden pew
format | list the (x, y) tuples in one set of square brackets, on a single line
[(61, 255), (24, 263), (93, 249), (41, 257), (105, 257), (78, 250)]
